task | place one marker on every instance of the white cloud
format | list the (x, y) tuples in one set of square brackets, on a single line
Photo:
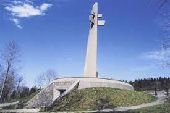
[(17, 2), (161, 56), (25, 9), (45, 6), (154, 55), (16, 22), (69, 59)]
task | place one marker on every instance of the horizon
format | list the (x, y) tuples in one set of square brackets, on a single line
[(54, 34)]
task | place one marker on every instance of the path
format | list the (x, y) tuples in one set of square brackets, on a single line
[(15, 110), (8, 104), (161, 99), (20, 111)]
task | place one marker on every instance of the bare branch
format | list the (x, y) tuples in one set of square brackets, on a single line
[(46, 77), (9, 58)]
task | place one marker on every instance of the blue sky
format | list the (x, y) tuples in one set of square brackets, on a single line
[(52, 34)]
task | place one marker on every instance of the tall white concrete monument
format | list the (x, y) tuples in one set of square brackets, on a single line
[(62, 86), (90, 69)]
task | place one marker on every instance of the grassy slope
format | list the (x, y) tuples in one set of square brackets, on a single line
[(22, 102), (164, 108), (93, 98), (25, 99)]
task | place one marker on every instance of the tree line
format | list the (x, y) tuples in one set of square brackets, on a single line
[(161, 83), (24, 93)]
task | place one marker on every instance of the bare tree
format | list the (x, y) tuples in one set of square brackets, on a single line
[(9, 58), (46, 77), (19, 80), (162, 3), (165, 15)]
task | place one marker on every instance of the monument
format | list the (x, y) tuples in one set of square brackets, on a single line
[(90, 69), (62, 86)]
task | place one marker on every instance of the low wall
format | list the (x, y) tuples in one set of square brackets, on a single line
[(94, 82)]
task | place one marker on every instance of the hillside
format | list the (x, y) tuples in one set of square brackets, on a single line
[(99, 98), (163, 108)]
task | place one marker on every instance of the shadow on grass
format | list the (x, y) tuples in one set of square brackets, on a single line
[(115, 112)]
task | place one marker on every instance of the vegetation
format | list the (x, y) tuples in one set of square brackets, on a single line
[(10, 79), (164, 108), (23, 96), (12, 87), (45, 78), (99, 98), (151, 83), (24, 93), (26, 98)]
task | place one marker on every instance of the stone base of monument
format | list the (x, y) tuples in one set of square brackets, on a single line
[(65, 83), (62, 86)]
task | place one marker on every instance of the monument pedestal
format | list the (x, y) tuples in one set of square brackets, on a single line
[(90, 82), (62, 86)]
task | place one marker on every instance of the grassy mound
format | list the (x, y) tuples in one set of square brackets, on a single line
[(164, 108), (99, 98)]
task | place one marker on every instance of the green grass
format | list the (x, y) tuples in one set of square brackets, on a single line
[(99, 98), (22, 102), (164, 108), (25, 99)]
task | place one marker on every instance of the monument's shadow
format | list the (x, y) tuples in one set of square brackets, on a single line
[(115, 112)]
